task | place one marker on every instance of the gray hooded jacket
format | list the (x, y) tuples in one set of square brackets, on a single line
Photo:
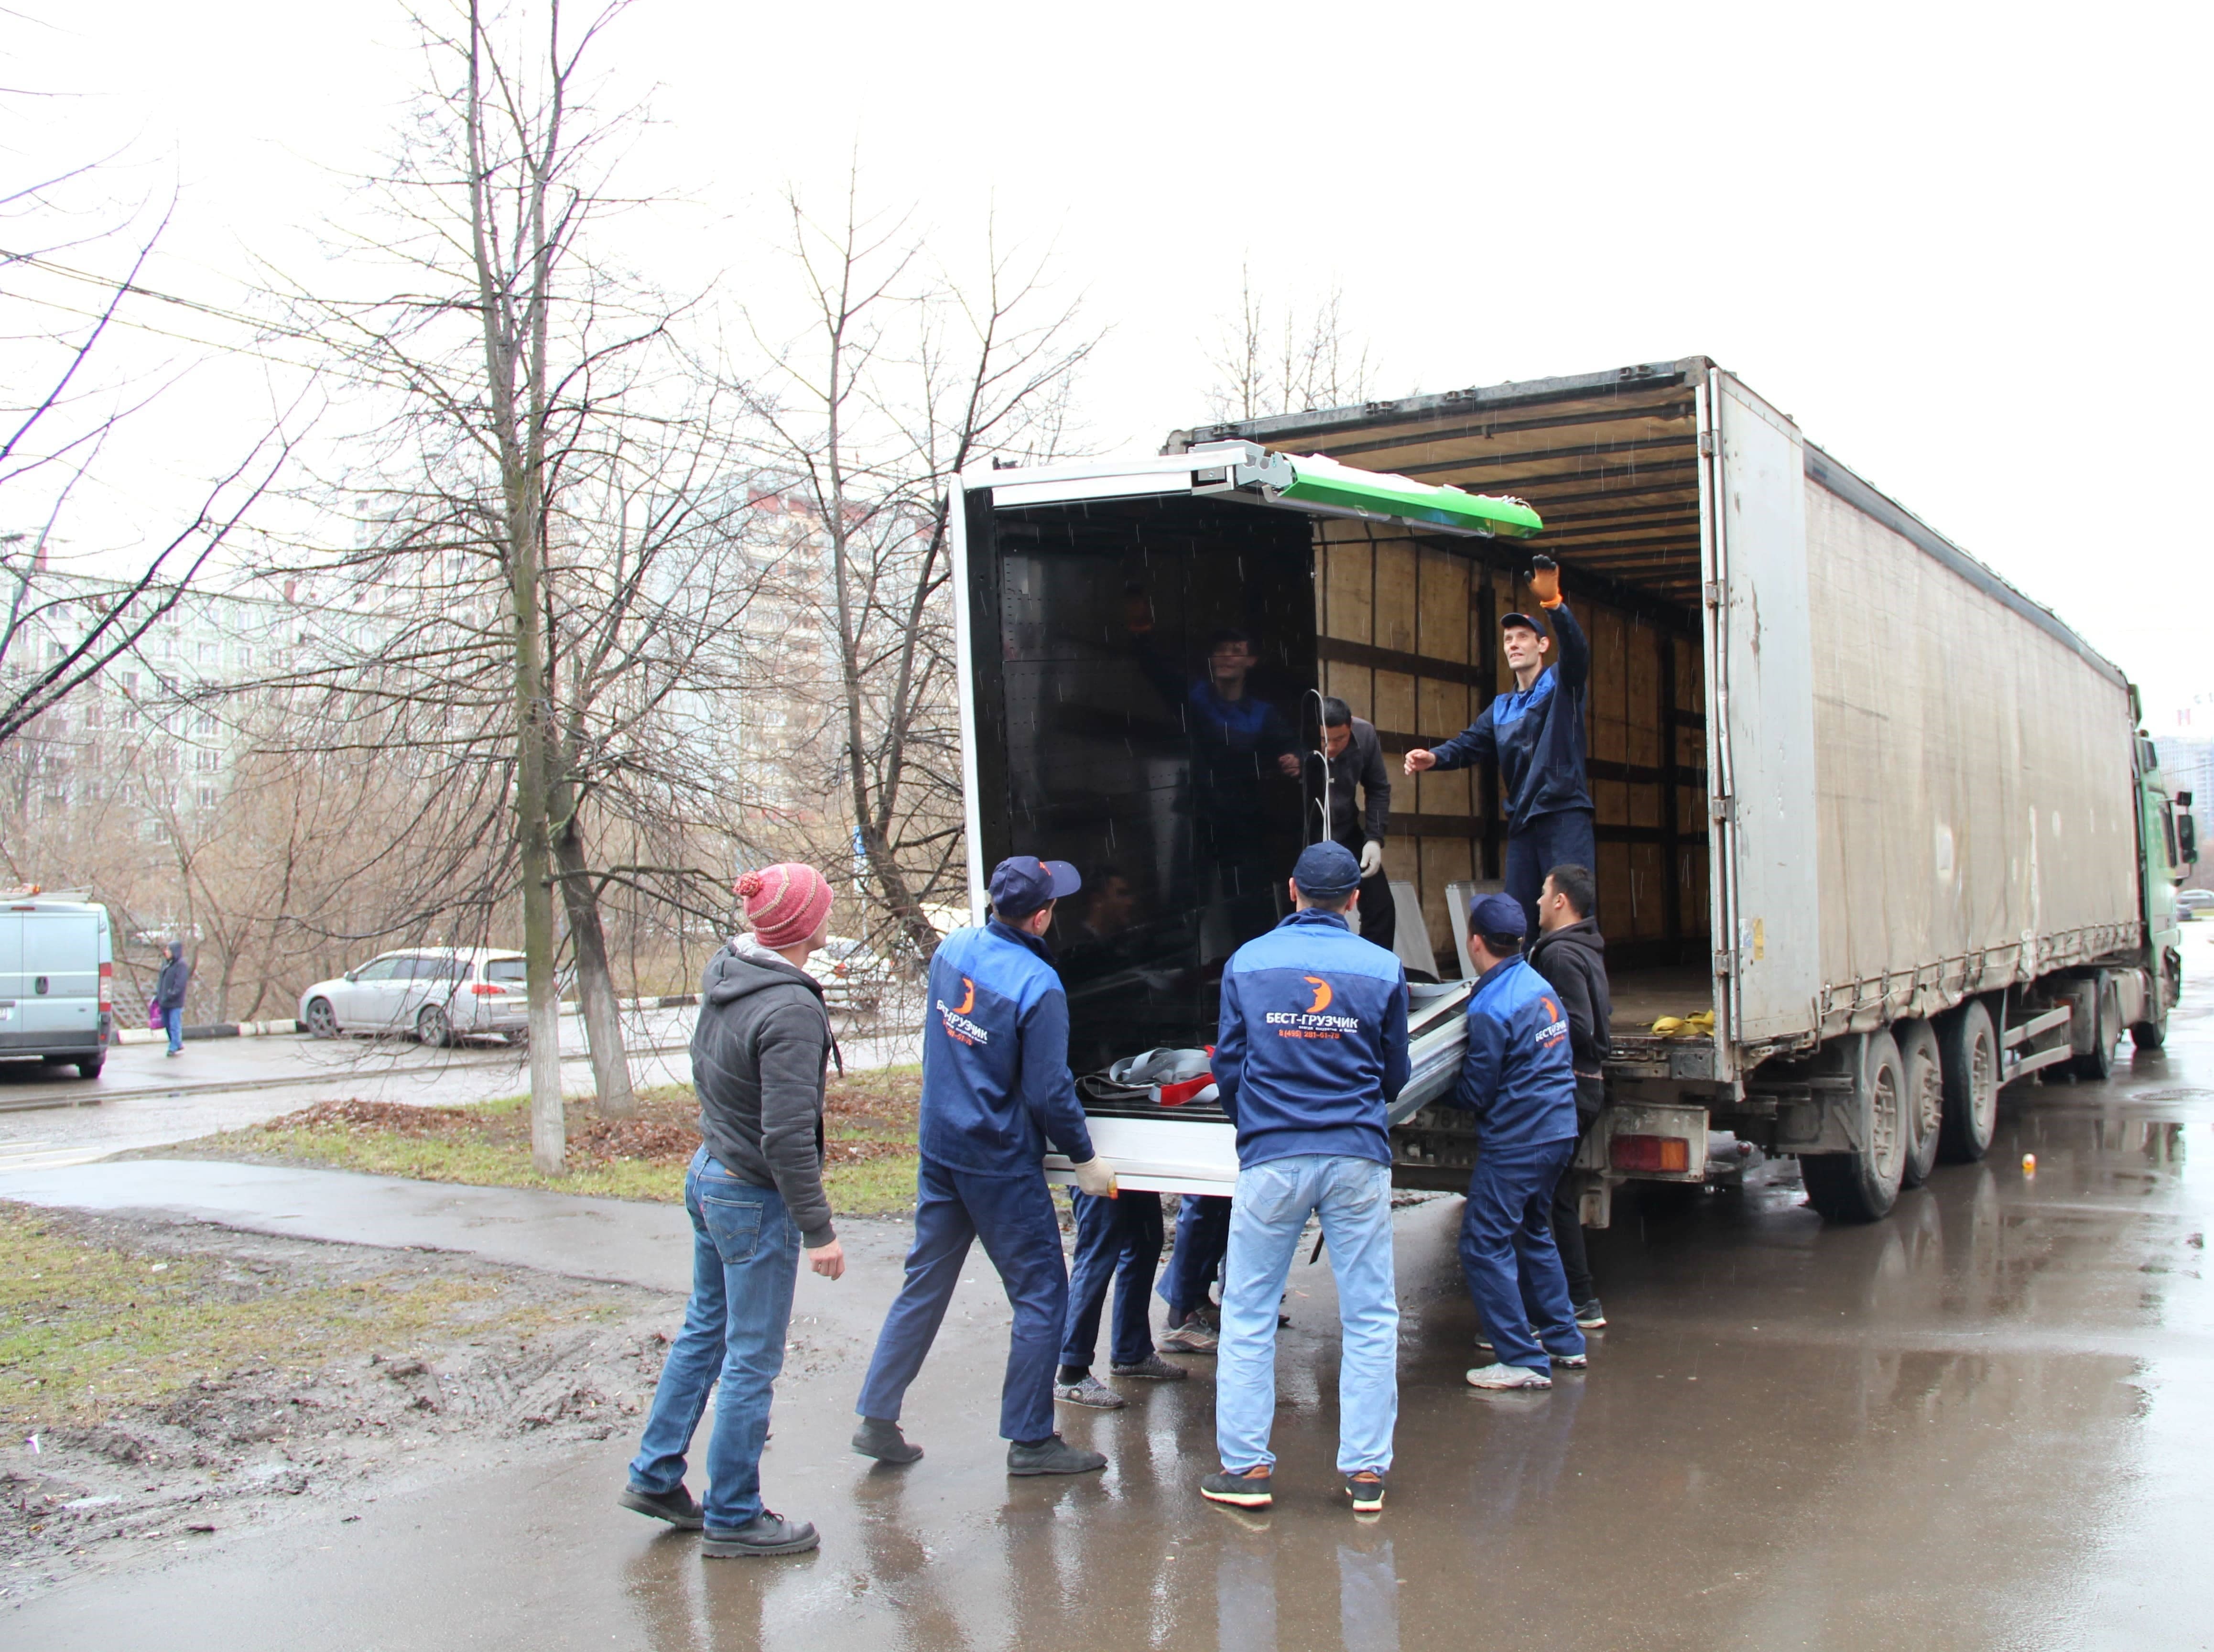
[(760, 1053)]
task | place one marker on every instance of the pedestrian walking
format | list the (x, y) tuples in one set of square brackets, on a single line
[(1536, 735), (169, 989), (1571, 954), (1310, 1050), (1118, 1246), (761, 1053), (1518, 1080), (996, 1089)]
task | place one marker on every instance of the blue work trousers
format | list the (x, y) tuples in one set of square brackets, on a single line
[(173, 1023), (1508, 1257), (1563, 838), (1353, 1197), (746, 1260), (1118, 1244), (1202, 1235), (1013, 1215)]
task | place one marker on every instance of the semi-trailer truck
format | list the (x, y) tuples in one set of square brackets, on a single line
[(1877, 833)]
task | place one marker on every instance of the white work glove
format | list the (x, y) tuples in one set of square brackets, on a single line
[(1093, 1177), (1372, 858)]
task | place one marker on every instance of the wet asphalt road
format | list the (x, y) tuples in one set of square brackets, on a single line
[(1984, 1422)]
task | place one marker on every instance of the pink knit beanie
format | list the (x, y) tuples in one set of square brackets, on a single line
[(785, 904)]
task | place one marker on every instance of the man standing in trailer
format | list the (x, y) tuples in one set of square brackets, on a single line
[(1355, 757), (996, 1090), (1535, 734)]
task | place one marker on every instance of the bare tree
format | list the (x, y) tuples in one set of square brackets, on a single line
[(1303, 362), (902, 379)]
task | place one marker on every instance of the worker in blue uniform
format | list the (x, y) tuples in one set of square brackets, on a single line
[(1519, 1079), (996, 1090), (1535, 734)]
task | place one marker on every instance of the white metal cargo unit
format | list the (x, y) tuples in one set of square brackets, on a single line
[(57, 977)]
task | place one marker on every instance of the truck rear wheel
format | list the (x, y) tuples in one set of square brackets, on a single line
[(1863, 1186), (1925, 1098), (1969, 1052), (2096, 1065)]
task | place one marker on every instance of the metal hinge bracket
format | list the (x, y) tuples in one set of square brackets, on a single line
[(1713, 592), (1723, 810), (1706, 444)]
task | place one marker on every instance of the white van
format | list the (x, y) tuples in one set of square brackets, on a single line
[(56, 980)]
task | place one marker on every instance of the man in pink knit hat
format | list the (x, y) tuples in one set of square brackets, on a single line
[(760, 1055)]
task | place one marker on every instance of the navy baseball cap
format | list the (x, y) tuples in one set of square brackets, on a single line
[(1326, 870), (1522, 620), (1497, 915), (1022, 883)]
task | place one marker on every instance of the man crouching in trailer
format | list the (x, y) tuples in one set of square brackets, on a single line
[(1536, 733), (995, 1089), (1519, 1079)]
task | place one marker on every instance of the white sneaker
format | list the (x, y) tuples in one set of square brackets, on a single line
[(1508, 1376), (1570, 1361)]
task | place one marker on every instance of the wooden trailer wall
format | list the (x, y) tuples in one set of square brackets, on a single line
[(1407, 628)]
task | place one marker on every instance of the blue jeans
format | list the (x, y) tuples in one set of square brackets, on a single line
[(1202, 1234), (1272, 1204), (1014, 1216), (173, 1020), (1118, 1244), (1565, 838), (1508, 1257), (745, 1261)]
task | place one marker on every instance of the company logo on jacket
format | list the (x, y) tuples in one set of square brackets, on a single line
[(1555, 1029), (1311, 1022), (955, 1017)]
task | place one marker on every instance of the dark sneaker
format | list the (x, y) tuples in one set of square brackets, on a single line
[(766, 1533), (1483, 1341), (676, 1507), (1590, 1316), (1090, 1391), (880, 1438), (1192, 1336), (1249, 1488), (1052, 1455), (1365, 1488), (1210, 1316), (1153, 1369), (1569, 1362)]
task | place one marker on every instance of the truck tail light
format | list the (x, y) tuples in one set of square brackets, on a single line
[(106, 987), (1668, 1154)]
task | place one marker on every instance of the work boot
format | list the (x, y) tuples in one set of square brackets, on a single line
[(1051, 1455), (1152, 1367), (1192, 1336), (1590, 1316), (880, 1437), (1248, 1487), (767, 1533), (676, 1507), (1365, 1488), (1508, 1376), (1088, 1390)]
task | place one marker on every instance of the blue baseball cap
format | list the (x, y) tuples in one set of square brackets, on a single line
[(1326, 870), (1022, 883), (1497, 915)]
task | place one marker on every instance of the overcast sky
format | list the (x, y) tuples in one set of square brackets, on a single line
[(1964, 246)]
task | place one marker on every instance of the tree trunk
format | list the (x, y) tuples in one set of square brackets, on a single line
[(596, 987)]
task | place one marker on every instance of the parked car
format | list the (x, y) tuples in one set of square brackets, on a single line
[(853, 977), (56, 980), (437, 993), (2191, 903)]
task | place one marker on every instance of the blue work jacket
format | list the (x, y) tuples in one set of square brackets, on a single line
[(1312, 1044), (995, 1082), (1518, 1075), (1536, 734)]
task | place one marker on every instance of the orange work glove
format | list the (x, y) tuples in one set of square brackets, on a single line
[(1545, 581)]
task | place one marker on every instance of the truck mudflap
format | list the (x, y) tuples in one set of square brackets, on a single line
[(1193, 1148)]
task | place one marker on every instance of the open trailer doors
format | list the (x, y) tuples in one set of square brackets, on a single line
[(1760, 696)]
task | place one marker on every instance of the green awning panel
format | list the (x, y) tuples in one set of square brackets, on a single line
[(1325, 482)]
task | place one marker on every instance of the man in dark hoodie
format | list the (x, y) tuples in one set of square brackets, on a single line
[(1571, 954), (760, 1053), (169, 989)]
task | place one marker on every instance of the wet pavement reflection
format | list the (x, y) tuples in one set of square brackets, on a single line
[(1985, 1422)]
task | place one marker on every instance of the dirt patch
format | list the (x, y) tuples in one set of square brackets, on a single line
[(166, 1382)]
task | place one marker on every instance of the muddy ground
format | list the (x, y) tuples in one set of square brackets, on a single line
[(206, 1435)]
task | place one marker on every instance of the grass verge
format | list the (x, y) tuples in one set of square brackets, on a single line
[(869, 1121)]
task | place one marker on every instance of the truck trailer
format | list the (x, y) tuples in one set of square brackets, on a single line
[(1877, 833)]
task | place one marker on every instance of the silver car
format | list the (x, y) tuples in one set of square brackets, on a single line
[(853, 977), (437, 993)]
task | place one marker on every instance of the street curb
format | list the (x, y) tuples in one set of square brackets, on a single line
[(214, 1030)]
